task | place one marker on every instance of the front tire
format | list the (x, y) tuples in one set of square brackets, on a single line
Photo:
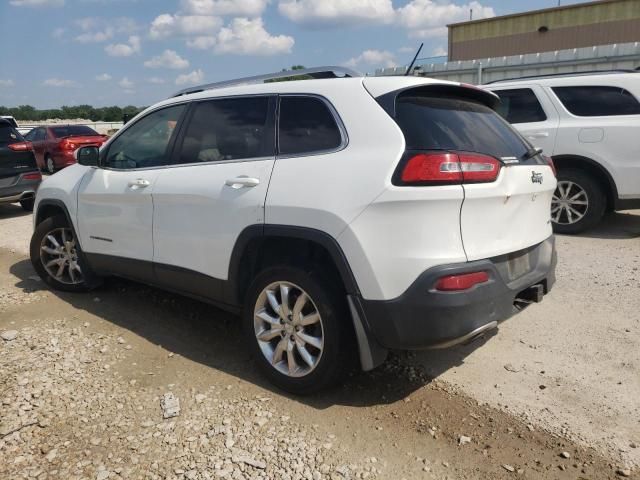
[(578, 203), (296, 324), (57, 258)]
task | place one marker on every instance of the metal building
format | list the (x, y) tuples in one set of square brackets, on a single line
[(604, 22)]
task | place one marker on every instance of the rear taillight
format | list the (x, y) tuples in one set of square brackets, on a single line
[(446, 168), (67, 144), (549, 160), (464, 281), (21, 146), (32, 176)]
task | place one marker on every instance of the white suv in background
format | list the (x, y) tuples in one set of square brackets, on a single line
[(340, 216), (589, 124)]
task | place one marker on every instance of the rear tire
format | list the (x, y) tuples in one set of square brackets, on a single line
[(294, 352), (57, 258), (49, 164), (27, 204), (579, 202)]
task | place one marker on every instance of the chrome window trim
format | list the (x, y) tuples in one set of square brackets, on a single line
[(336, 117)]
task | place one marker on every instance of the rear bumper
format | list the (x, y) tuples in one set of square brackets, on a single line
[(425, 318), (63, 158), (17, 188)]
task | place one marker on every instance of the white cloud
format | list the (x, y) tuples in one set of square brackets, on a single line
[(60, 82), (428, 18), (167, 59), (156, 80), (249, 8), (124, 49), (97, 30), (201, 43), (126, 83), (58, 32), (197, 76), (37, 3), (439, 52), (104, 77), (376, 58), (95, 37), (337, 12), (248, 37), (167, 25), (6, 83)]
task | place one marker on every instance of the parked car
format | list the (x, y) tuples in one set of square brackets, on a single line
[(19, 175), (586, 123), (337, 215), (55, 145)]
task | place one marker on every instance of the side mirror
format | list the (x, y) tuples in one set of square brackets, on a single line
[(88, 156)]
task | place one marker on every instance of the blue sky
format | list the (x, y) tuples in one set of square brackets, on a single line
[(122, 52)]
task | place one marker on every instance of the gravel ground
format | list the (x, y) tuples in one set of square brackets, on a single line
[(82, 379)]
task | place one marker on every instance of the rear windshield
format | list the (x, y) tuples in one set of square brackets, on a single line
[(448, 123), (8, 134), (72, 130)]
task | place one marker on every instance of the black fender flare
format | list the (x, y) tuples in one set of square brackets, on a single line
[(53, 202)]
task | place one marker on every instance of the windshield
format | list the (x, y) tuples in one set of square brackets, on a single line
[(8, 134), (450, 123), (72, 130)]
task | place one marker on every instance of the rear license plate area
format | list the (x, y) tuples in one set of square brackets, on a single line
[(518, 264)]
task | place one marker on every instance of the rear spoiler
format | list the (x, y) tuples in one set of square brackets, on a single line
[(463, 90)]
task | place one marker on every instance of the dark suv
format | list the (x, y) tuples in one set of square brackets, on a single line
[(19, 174)]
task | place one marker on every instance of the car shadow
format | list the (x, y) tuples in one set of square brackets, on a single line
[(212, 337), (616, 225), (10, 210)]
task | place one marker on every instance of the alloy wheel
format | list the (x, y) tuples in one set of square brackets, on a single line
[(288, 328), (569, 204), (51, 167), (59, 256)]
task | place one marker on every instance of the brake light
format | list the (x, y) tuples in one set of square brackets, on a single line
[(21, 146), (67, 144), (450, 168), (32, 176), (551, 164), (464, 281)]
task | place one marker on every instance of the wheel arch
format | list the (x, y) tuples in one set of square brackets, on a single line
[(51, 207), (261, 245), (597, 171)]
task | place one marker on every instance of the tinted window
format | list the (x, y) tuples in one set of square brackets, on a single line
[(441, 123), (41, 134), (306, 126), (8, 134), (520, 106), (597, 101), (72, 130), (228, 129), (30, 135), (145, 143)]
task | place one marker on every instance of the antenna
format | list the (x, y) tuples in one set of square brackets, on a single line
[(414, 60)]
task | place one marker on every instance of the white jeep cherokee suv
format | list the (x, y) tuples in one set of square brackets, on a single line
[(339, 216), (589, 125)]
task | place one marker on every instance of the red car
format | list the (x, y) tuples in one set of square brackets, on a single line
[(55, 145)]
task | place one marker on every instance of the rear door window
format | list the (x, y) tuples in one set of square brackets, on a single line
[(307, 125), (228, 129), (520, 105), (452, 123), (596, 101)]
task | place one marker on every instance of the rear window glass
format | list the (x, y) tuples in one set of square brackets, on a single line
[(520, 105), (448, 123), (72, 130), (8, 134), (306, 126), (594, 101)]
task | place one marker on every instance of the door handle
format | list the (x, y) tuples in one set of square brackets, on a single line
[(139, 183), (242, 181), (538, 135)]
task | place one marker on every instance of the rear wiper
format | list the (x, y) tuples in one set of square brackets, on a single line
[(532, 152)]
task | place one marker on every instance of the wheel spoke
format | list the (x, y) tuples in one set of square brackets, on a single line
[(55, 261), (284, 298), (313, 341), (569, 215), (265, 317), (304, 353), (575, 212), (556, 218), (301, 301), (279, 351), (72, 275), (273, 301), (60, 269), (270, 334), (579, 202), (292, 364), (53, 240), (310, 319)]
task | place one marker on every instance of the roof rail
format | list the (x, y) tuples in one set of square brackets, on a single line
[(566, 74), (316, 72)]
